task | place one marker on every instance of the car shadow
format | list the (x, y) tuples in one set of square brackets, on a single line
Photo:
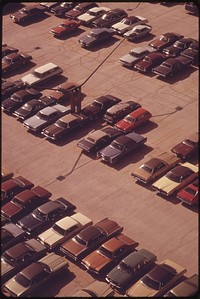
[(35, 20), (105, 44), (75, 33), (11, 7), (52, 83), (146, 186), (149, 126), (172, 198), (22, 69), (193, 208), (179, 76)]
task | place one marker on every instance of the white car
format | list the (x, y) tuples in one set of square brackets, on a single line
[(63, 230), (128, 23), (42, 73), (92, 14), (138, 32)]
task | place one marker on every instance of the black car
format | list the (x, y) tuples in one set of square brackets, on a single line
[(178, 47), (109, 18), (19, 98), (98, 139), (6, 50), (119, 111), (19, 256), (192, 8), (60, 10), (95, 36), (80, 9), (192, 52), (27, 13), (42, 217), (32, 107), (9, 87), (11, 234), (99, 106)]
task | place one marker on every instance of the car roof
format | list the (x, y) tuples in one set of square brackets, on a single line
[(97, 134), (53, 261), (45, 67), (180, 170), (118, 107), (17, 250), (153, 163), (89, 233), (160, 272), (69, 118), (138, 112), (32, 270), (49, 207), (113, 244), (13, 229)]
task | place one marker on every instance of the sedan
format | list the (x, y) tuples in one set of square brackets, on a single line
[(63, 230), (137, 32), (135, 55), (19, 98), (95, 36), (109, 254), (187, 288), (30, 278), (95, 289), (165, 40), (11, 234), (13, 186), (128, 23), (9, 87), (6, 50), (46, 214), (65, 28), (187, 148), (177, 178), (90, 238), (192, 52), (62, 8), (64, 125), (190, 193), (19, 256), (130, 268), (24, 202), (178, 47), (109, 18), (120, 147), (98, 139), (156, 282), (134, 119), (92, 14), (14, 61), (150, 61), (45, 117), (154, 168)]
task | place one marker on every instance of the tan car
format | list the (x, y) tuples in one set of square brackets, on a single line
[(156, 282), (154, 168), (95, 289)]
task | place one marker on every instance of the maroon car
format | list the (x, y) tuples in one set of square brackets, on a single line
[(80, 9), (65, 28), (25, 202), (149, 61), (12, 187), (165, 40), (14, 61), (187, 148)]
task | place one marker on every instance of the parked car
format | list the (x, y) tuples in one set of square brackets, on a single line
[(175, 179), (13, 186), (134, 119), (79, 9), (43, 216), (119, 111), (11, 234), (128, 23), (65, 28), (149, 62), (62, 8), (6, 50), (24, 202), (187, 288), (14, 61), (19, 98), (157, 281), (95, 36), (130, 268), (64, 125), (30, 278), (178, 47), (49, 5), (92, 14), (90, 238), (135, 55), (99, 106), (32, 107), (192, 52), (42, 73), (165, 40), (187, 148), (9, 87), (154, 168), (172, 66), (63, 230), (137, 32), (95, 289), (98, 139), (190, 193), (19, 256), (45, 117), (6, 175), (121, 147), (28, 13), (109, 254), (192, 8), (110, 17)]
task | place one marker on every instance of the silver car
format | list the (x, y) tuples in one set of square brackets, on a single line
[(135, 55), (138, 32)]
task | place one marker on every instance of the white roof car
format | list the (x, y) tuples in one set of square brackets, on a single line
[(128, 23), (138, 32), (42, 73), (64, 229), (134, 55), (92, 14)]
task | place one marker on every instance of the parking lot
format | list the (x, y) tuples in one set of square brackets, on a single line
[(165, 227)]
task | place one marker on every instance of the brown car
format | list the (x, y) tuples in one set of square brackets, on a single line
[(155, 168), (6, 175), (89, 238), (165, 40), (24, 202), (109, 254), (14, 61), (187, 148)]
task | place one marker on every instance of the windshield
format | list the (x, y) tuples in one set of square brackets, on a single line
[(105, 252), (24, 11), (129, 119), (163, 38), (7, 59), (35, 74), (90, 139), (147, 169), (173, 177), (190, 191), (80, 241), (96, 104), (150, 283), (116, 145), (23, 280), (61, 124), (16, 98), (92, 34), (42, 116), (92, 13), (189, 142), (135, 54), (39, 215), (167, 65), (125, 267), (27, 106), (8, 259), (17, 202), (179, 45), (106, 17), (125, 21), (147, 59), (58, 229)]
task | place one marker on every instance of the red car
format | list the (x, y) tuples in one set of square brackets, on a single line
[(149, 61), (65, 27), (133, 120), (189, 194)]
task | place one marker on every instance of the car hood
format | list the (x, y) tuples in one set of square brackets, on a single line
[(97, 261), (162, 69), (140, 290), (143, 64), (86, 145), (15, 287), (119, 276), (182, 149), (142, 174), (74, 247), (185, 196), (5, 268), (123, 125), (9, 209), (53, 130), (50, 237), (87, 39), (58, 29), (165, 184), (29, 79), (22, 112), (109, 151), (29, 222), (128, 58), (34, 122)]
